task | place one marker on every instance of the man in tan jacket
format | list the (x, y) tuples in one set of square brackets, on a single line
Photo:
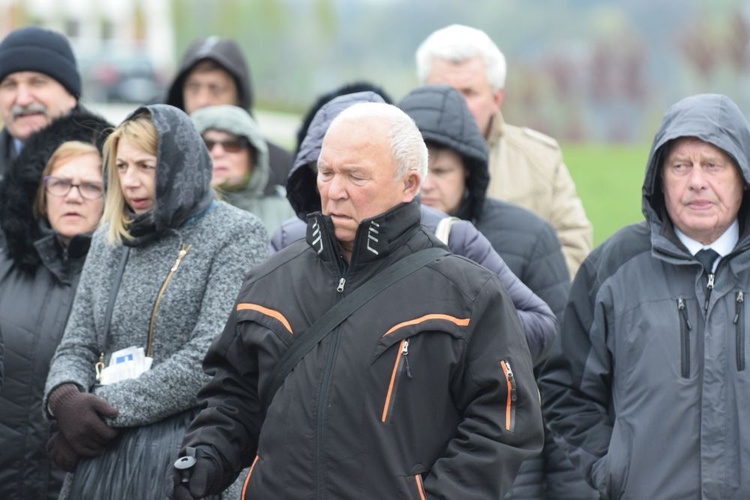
[(526, 166)]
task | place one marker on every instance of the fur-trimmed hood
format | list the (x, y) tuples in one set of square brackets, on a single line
[(21, 181)]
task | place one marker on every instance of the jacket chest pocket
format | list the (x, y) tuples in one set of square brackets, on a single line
[(414, 359), (400, 370)]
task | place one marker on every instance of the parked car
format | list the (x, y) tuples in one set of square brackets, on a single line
[(124, 76)]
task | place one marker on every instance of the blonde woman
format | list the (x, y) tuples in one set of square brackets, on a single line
[(170, 260)]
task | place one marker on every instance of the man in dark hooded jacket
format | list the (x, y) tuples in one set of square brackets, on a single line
[(648, 388), (214, 71), (457, 184)]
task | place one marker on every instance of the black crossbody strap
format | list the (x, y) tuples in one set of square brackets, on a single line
[(125, 251), (342, 310)]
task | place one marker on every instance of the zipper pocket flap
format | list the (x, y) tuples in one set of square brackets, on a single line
[(266, 317), (433, 323)]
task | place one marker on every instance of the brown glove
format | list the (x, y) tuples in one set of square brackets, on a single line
[(80, 417), (61, 453)]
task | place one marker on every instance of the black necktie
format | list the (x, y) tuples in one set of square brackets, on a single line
[(707, 257)]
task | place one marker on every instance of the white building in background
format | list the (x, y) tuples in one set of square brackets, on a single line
[(94, 26)]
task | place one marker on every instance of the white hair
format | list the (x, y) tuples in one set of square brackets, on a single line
[(407, 147), (458, 43)]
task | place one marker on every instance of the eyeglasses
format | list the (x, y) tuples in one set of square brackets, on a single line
[(230, 146), (60, 186)]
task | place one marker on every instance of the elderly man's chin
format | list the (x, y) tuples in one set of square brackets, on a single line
[(24, 126)]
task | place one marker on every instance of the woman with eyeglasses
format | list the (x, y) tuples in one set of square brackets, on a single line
[(164, 270), (240, 163), (51, 200)]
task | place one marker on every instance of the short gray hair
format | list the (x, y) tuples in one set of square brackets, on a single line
[(458, 43), (407, 147)]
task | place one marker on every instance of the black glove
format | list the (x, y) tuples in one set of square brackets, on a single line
[(193, 479), (61, 453), (79, 415)]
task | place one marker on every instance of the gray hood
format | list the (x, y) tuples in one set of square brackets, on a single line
[(712, 118), (237, 121), (301, 187), (183, 174)]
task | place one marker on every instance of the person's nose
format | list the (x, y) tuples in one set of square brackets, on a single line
[(203, 97), (74, 195), (24, 95), (217, 151), (131, 179), (697, 178), (428, 183), (337, 188)]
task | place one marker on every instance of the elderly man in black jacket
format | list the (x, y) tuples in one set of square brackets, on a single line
[(425, 391)]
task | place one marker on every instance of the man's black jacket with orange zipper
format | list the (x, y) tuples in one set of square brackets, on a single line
[(427, 391)]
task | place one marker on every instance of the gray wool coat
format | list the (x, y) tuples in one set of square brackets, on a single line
[(222, 244)]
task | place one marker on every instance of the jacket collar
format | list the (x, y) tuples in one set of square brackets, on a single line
[(376, 238), (63, 262), (497, 129)]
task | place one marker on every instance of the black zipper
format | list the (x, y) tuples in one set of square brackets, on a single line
[(325, 389), (684, 338), (402, 364), (739, 323)]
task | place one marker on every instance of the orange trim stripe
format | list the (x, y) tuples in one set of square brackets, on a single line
[(420, 487), (268, 312), (428, 317), (393, 381), (509, 402), (247, 479)]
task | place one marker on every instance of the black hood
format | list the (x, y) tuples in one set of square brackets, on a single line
[(183, 174), (712, 118), (21, 182), (226, 53), (443, 118), (301, 186)]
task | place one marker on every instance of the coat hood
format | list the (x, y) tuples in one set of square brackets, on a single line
[(301, 187), (237, 121), (183, 173), (712, 118), (443, 118), (348, 88), (226, 53), (21, 182)]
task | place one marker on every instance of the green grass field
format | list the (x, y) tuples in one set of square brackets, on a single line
[(608, 179)]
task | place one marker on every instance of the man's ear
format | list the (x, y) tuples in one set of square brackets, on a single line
[(499, 96), (412, 180)]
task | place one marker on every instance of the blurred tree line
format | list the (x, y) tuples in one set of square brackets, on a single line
[(593, 70)]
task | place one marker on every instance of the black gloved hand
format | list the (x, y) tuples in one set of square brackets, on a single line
[(61, 453), (197, 480), (79, 415)]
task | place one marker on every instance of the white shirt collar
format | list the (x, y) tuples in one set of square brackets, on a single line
[(723, 245)]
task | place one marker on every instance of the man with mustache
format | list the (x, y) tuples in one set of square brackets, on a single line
[(39, 81)]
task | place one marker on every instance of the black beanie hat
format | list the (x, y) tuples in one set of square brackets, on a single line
[(41, 50)]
